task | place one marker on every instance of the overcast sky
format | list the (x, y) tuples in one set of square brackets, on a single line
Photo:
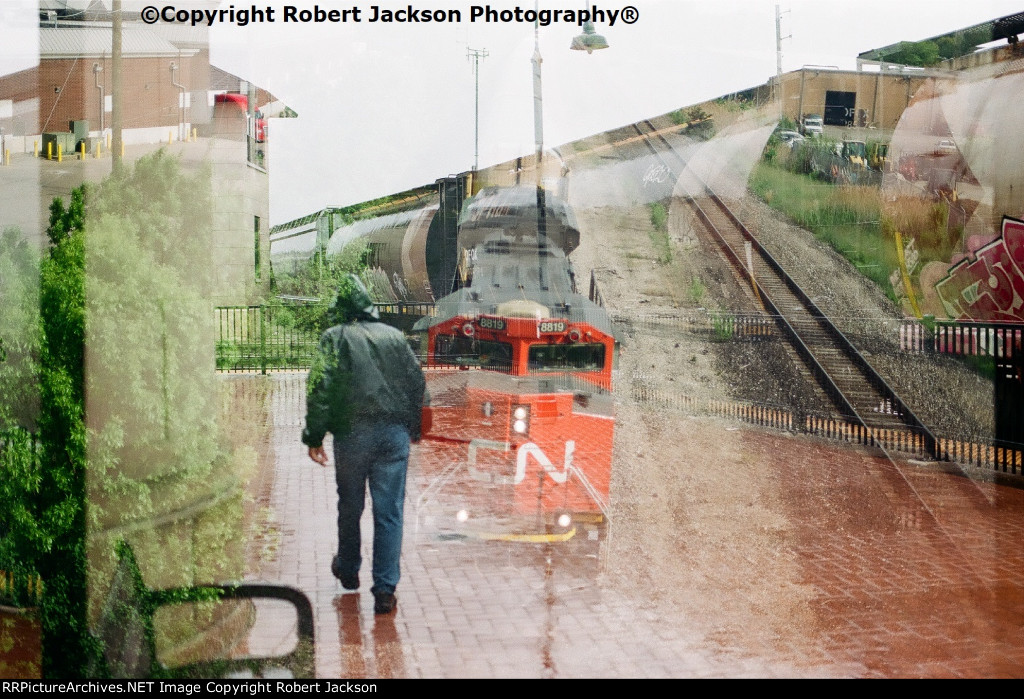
[(384, 107)]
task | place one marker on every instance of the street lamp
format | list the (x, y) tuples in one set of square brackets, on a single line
[(589, 40)]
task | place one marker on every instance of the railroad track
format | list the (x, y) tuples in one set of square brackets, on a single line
[(857, 392)]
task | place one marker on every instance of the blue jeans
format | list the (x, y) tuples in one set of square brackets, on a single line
[(377, 454)]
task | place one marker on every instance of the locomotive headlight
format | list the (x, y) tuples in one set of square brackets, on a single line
[(463, 516), (521, 419), (468, 330), (564, 520)]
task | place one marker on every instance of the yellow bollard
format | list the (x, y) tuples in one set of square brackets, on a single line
[(122, 149), (60, 152), (83, 150), (35, 149), (49, 150), (195, 134), (108, 141), (170, 136)]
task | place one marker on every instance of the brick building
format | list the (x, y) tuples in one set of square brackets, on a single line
[(168, 90)]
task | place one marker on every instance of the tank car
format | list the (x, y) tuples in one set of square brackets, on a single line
[(419, 255)]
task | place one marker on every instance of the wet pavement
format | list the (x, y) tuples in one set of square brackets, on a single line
[(857, 567)]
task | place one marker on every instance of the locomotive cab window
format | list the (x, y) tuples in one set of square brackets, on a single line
[(577, 357), (469, 351)]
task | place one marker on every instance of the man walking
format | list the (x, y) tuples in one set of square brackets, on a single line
[(367, 389)]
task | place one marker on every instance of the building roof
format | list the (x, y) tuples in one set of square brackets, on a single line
[(81, 42), (992, 30)]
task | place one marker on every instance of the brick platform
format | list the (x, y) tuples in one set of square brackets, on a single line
[(903, 570)]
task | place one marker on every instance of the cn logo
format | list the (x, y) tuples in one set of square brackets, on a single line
[(530, 449)]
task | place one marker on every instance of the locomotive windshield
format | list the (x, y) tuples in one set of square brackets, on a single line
[(583, 357), (469, 351)]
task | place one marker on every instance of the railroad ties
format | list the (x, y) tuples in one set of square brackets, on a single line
[(868, 410)]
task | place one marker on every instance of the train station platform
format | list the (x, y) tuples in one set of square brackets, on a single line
[(748, 554)]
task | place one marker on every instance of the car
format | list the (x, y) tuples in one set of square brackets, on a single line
[(812, 125), (946, 145)]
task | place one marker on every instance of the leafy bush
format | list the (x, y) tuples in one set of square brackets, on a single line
[(148, 443)]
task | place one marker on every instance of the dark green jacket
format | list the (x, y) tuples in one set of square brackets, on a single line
[(365, 372)]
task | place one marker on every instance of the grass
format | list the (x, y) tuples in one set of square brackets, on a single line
[(849, 218)]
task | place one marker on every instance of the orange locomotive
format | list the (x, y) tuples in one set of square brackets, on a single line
[(519, 367)]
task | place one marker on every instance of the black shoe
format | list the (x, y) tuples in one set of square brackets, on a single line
[(349, 582), (384, 602)]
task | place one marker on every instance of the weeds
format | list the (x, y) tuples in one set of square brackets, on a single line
[(723, 327), (697, 290), (659, 234), (848, 218)]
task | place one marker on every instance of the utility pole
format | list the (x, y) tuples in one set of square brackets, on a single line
[(115, 89), (778, 59), (538, 104), (476, 55)]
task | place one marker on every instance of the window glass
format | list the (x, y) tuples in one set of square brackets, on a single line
[(470, 351), (588, 357)]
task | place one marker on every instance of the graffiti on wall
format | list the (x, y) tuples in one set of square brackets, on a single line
[(988, 285)]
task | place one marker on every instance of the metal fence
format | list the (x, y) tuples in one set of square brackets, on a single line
[(261, 339), (971, 338), (987, 453)]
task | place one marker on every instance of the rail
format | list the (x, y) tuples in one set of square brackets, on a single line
[(892, 404)]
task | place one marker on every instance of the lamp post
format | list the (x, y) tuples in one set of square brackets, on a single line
[(589, 41)]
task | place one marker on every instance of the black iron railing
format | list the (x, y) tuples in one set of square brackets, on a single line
[(262, 338)]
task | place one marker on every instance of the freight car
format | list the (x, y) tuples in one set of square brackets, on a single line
[(418, 253)]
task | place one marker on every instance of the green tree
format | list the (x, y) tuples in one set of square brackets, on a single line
[(19, 331), (59, 505), (136, 436), (921, 53)]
